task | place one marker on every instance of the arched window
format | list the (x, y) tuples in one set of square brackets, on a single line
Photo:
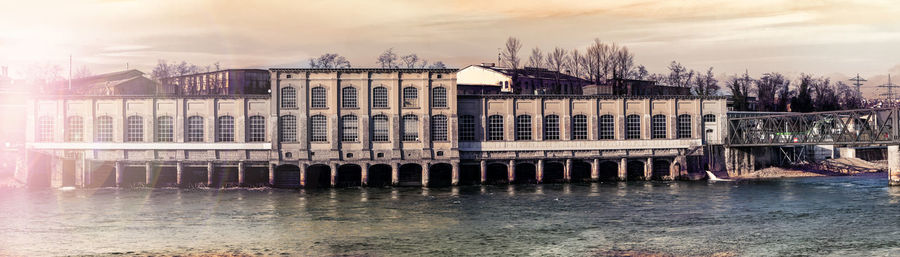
[(349, 128), (467, 128), (288, 97), (495, 128), (410, 97), (165, 129), (410, 127), (318, 98), (551, 127), (348, 97), (135, 129), (607, 127), (104, 128), (287, 128), (256, 129), (225, 129), (579, 127), (658, 126), (439, 97), (523, 127), (684, 126), (380, 97), (195, 129), (633, 126), (380, 131), (75, 129), (439, 128), (318, 128), (45, 129), (709, 118)]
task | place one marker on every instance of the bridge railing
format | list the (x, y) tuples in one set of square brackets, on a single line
[(850, 127)]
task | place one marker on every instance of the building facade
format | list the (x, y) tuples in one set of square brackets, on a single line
[(220, 82), (366, 127)]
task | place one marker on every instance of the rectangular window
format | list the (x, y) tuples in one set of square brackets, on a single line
[(226, 129), (288, 128), (380, 97), (551, 127), (607, 127), (380, 132), (349, 128), (684, 126), (318, 129), (410, 128), (410, 97), (467, 128), (104, 129), (439, 97), (74, 129), (633, 127), (579, 127), (348, 97), (135, 129), (439, 128), (257, 129), (523, 127), (45, 129), (165, 129), (495, 128), (319, 99), (658, 127), (195, 129)]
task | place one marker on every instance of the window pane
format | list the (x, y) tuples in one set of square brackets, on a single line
[(439, 97), (318, 98), (658, 126), (633, 127), (380, 97), (410, 128), (257, 129), (288, 97), (551, 127), (165, 129), (288, 128), (318, 129), (45, 129), (349, 128), (74, 129), (380, 132), (195, 129), (104, 129), (607, 127), (439, 128), (523, 127), (348, 97), (684, 126), (495, 128), (135, 130), (579, 127), (410, 97), (226, 129), (467, 128), (709, 118)]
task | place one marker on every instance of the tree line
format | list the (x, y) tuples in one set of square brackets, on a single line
[(387, 59)]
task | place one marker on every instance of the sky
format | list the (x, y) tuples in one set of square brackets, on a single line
[(836, 39)]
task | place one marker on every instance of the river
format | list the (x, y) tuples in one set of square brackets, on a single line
[(837, 216)]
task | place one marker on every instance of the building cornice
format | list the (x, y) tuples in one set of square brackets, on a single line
[(163, 97), (603, 97), (386, 70)]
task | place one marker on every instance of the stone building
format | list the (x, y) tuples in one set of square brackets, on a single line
[(488, 78), (220, 82), (357, 126)]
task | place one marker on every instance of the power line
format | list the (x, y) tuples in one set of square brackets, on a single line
[(890, 93)]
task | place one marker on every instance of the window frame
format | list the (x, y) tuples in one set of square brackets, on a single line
[(134, 128), (410, 128), (495, 128), (607, 128), (380, 98), (439, 128), (349, 97), (74, 133), (579, 127), (225, 128), (684, 126), (287, 128), (104, 129), (165, 129), (256, 128), (658, 128), (410, 97), (551, 127), (524, 128), (318, 128), (318, 98), (289, 97), (381, 131), (349, 128), (632, 126), (467, 128), (195, 129), (439, 97)]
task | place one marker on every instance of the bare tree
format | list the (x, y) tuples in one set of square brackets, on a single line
[(162, 70), (410, 60), (388, 58), (510, 55), (557, 60), (43, 75), (438, 65), (766, 91), (849, 99), (622, 61), (574, 64), (679, 76), (740, 90), (598, 60), (82, 72), (706, 84), (536, 59), (329, 60), (640, 72)]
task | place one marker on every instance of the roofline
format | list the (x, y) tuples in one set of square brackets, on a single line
[(441, 70), (211, 72), (161, 96)]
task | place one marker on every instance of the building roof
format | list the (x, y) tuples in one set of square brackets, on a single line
[(212, 72), (445, 70), (530, 72)]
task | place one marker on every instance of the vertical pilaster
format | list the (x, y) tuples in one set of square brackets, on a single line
[(148, 173), (623, 169), (540, 171), (483, 170), (210, 168), (454, 173), (241, 174), (120, 170), (648, 168), (334, 173), (893, 165), (567, 173), (365, 174), (271, 174), (595, 170), (425, 169), (395, 174), (303, 167), (179, 173), (511, 172)]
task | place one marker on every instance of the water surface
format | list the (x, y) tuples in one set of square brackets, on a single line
[(837, 216)]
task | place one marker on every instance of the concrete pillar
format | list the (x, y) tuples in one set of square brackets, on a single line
[(241, 174), (120, 170), (271, 174), (623, 169), (210, 167), (511, 172), (847, 152), (483, 171), (648, 168), (567, 173), (395, 174), (893, 165), (595, 170), (148, 173), (454, 173), (540, 171), (425, 168), (334, 172), (303, 168), (179, 173), (365, 174)]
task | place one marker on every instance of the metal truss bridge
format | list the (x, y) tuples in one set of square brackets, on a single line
[(862, 127)]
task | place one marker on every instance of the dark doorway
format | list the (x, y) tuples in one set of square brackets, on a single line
[(103, 174), (554, 172), (440, 175), (134, 176), (193, 176), (581, 171), (609, 171), (349, 175), (256, 176), (318, 176), (497, 174), (287, 176), (164, 176), (410, 175), (525, 173), (660, 169), (469, 174), (68, 173), (225, 177), (635, 170), (380, 175)]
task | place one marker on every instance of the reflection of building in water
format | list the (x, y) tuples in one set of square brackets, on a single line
[(350, 127)]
